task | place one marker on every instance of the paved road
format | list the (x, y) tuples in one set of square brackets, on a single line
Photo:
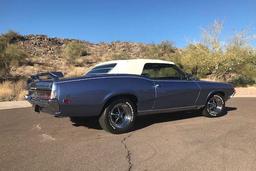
[(180, 141)]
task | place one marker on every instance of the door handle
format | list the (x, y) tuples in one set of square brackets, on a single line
[(156, 85)]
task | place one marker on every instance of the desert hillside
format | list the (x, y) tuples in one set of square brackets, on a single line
[(73, 57), (24, 55)]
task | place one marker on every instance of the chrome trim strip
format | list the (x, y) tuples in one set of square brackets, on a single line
[(104, 77), (121, 76), (199, 91), (170, 109)]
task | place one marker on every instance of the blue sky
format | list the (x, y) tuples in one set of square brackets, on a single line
[(148, 21)]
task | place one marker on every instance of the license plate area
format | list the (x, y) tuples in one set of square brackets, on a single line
[(42, 94)]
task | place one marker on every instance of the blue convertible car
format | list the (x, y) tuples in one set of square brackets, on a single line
[(118, 91)]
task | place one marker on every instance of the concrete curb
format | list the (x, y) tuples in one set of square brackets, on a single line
[(25, 104), (14, 105)]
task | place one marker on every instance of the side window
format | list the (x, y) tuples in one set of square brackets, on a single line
[(102, 69), (162, 71)]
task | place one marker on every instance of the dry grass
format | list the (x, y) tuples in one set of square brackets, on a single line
[(17, 90), (6, 91), (12, 90), (76, 71)]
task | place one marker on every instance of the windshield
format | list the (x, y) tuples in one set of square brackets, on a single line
[(102, 69)]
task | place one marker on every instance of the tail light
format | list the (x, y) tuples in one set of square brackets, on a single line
[(66, 101), (53, 92)]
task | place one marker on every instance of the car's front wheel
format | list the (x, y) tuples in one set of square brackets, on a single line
[(215, 106), (118, 116)]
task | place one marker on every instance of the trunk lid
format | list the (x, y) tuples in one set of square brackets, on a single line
[(40, 85), (40, 89)]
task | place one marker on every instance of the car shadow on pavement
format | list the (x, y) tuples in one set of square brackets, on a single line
[(142, 121), (90, 122)]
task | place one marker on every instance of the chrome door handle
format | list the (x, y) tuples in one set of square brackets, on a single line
[(156, 85)]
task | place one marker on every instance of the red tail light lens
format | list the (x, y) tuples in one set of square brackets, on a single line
[(67, 101)]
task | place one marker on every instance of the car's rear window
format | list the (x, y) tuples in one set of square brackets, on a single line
[(102, 69)]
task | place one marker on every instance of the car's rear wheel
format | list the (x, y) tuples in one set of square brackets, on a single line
[(215, 106), (118, 116)]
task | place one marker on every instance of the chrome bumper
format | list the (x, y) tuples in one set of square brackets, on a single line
[(50, 106)]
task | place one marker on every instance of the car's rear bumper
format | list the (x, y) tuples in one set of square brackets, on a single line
[(50, 106)]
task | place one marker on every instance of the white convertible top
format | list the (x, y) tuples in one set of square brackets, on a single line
[(131, 66)]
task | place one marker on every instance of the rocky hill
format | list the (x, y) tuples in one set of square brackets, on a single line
[(47, 54)]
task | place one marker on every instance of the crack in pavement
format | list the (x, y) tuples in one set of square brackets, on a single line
[(128, 156)]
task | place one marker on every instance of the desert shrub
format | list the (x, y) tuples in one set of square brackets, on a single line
[(236, 60), (202, 62), (3, 44), (198, 60), (242, 81), (10, 56), (74, 50), (239, 59), (164, 51), (233, 61), (202, 58), (210, 36), (12, 37), (120, 56), (84, 53), (159, 51)]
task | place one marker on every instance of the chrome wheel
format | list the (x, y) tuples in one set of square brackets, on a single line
[(215, 105), (121, 115)]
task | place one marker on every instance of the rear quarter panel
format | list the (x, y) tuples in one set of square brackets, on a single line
[(88, 96)]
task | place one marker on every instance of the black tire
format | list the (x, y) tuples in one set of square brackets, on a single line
[(211, 110), (118, 116)]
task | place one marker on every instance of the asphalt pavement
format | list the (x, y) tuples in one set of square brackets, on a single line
[(176, 141)]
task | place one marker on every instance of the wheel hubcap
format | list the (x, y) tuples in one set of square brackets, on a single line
[(215, 105), (121, 115)]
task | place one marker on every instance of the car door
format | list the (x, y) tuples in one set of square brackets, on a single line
[(172, 89)]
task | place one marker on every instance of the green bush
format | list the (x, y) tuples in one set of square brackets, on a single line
[(120, 56), (74, 50), (165, 51), (12, 37), (10, 55), (201, 61), (242, 81), (198, 60), (159, 51), (234, 61)]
